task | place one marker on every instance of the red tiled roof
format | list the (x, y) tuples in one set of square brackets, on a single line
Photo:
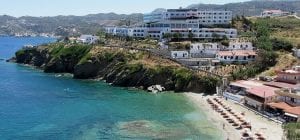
[(263, 91), (293, 110), (280, 105)]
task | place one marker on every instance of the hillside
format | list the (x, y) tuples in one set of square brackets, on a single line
[(121, 67), (64, 25), (90, 24), (252, 8)]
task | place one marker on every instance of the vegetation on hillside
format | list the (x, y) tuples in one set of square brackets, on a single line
[(292, 131), (266, 55), (252, 8), (284, 28)]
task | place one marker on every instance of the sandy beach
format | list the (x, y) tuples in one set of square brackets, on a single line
[(269, 129)]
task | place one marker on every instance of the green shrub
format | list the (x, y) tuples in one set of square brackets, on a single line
[(280, 44), (292, 131), (20, 52)]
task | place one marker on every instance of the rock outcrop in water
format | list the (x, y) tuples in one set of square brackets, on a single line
[(121, 67)]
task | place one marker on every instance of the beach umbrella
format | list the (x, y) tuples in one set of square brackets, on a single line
[(235, 124), (245, 134), (261, 138)]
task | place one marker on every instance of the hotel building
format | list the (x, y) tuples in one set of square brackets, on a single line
[(201, 24)]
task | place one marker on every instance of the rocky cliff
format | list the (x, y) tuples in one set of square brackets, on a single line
[(121, 67)]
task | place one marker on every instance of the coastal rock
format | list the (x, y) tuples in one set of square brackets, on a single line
[(156, 88), (115, 66)]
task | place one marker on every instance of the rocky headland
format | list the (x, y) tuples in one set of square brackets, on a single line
[(119, 66)]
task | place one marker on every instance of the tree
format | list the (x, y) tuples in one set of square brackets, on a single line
[(191, 36), (177, 36), (215, 37), (167, 36), (263, 40), (280, 44)]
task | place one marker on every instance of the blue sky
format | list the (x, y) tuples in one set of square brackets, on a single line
[(83, 7)]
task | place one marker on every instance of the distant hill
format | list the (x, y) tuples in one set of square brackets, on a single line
[(64, 25), (90, 24), (252, 8)]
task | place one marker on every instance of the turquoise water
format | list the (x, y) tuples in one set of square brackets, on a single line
[(35, 105)]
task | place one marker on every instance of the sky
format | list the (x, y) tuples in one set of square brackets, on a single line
[(83, 7)]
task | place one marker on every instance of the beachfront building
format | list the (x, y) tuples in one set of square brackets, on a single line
[(88, 39), (289, 76), (258, 97), (237, 90), (287, 105), (274, 13), (290, 96), (180, 54), (236, 56), (186, 22)]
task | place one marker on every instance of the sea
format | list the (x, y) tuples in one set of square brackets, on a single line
[(39, 106)]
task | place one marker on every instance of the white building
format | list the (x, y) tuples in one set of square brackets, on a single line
[(198, 16), (296, 53), (183, 21), (204, 49), (239, 56), (274, 13), (139, 32), (88, 39), (240, 45), (180, 54), (211, 49)]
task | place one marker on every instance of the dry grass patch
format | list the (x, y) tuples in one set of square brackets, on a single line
[(284, 61)]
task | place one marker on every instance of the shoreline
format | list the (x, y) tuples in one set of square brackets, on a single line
[(269, 129), (199, 100)]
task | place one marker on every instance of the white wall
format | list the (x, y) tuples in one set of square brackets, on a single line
[(205, 48), (180, 54)]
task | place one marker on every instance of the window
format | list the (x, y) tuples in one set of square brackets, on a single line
[(293, 100)]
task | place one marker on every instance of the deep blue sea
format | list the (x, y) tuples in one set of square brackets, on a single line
[(39, 106)]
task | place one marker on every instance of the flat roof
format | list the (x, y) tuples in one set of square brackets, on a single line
[(181, 10)]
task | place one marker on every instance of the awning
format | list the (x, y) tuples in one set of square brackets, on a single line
[(280, 105), (291, 115)]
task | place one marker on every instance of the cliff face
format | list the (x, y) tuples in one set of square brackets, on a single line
[(120, 67)]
